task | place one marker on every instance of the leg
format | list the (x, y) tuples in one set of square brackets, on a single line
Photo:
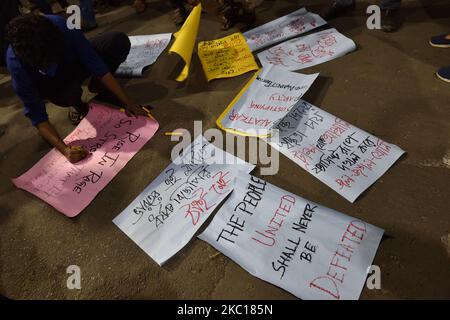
[(113, 48), (43, 6), (87, 14), (229, 11), (338, 8), (179, 14), (9, 9), (390, 4), (177, 3), (63, 3), (390, 19), (68, 95)]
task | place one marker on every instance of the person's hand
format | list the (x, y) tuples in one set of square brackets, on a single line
[(134, 109), (75, 153)]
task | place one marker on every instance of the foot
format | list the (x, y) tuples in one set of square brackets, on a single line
[(2, 130), (441, 41), (179, 16), (336, 10), (444, 74), (230, 13), (390, 20)]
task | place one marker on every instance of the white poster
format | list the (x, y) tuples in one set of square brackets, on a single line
[(344, 157), (291, 25), (166, 215), (308, 51), (144, 52), (309, 250), (268, 98)]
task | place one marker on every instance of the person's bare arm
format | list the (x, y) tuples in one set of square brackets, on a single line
[(72, 153), (131, 107)]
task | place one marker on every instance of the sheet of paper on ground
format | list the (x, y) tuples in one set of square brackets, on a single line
[(308, 51), (111, 136), (291, 25), (342, 156), (166, 215), (226, 57), (185, 40), (307, 249), (144, 52), (266, 98)]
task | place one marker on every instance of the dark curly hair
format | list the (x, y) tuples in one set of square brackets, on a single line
[(36, 41)]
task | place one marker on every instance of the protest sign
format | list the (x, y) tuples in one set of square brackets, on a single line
[(185, 40), (226, 57), (286, 27), (166, 215), (111, 136), (344, 157), (307, 249), (308, 51), (266, 98), (144, 52)]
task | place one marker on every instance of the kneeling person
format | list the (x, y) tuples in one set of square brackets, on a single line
[(48, 61)]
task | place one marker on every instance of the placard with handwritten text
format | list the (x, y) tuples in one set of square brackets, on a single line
[(111, 136), (291, 25), (166, 215), (226, 57), (267, 97), (308, 51), (307, 249), (144, 52), (342, 156)]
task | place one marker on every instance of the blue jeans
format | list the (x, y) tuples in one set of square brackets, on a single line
[(87, 11), (384, 4)]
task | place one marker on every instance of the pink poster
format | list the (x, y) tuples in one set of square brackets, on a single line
[(111, 137)]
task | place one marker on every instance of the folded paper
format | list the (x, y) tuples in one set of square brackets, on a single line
[(185, 40)]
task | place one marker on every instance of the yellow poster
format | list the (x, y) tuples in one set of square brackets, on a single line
[(226, 57), (185, 40)]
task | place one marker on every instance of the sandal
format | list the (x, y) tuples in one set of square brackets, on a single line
[(75, 115), (229, 12), (179, 16)]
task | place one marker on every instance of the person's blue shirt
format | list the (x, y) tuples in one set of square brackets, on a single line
[(25, 79)]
